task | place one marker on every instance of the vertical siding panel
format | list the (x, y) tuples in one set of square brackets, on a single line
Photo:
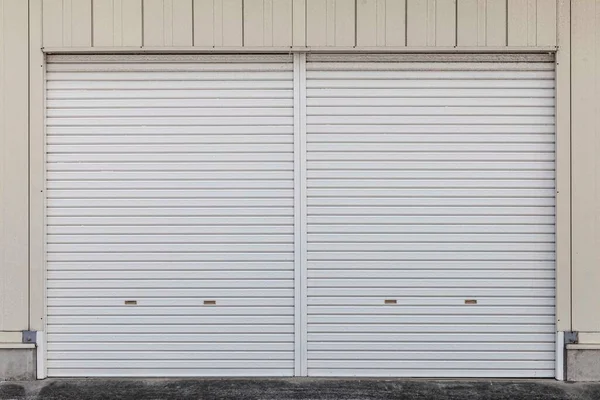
[(153, 23), (416, 22), (299, 23), (431, 22), (316, 22), (253, 22), (467, 23), (204, 26), (52, 23), (167, 23), (585, 142), (532, 22), (367, 22), (267, 23), (218, 23), (282, 23), (481, 22), (395, 23), (546, 23), (81, 23), (130, 22), (104, 32), (14, 165), (445, 23), (330, 18), (496, 29), (182, 31), (345, 23), (232, 23), (67, 22), (517, 22), (380, 21)]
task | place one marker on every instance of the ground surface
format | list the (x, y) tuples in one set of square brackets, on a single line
[(292, 389)]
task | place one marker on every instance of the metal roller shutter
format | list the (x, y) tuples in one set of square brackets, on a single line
[(170, 216), (430, 218)]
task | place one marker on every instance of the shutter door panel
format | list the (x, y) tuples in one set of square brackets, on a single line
[(170, 184), (430, 187)]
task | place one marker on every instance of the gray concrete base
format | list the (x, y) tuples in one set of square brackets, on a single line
[(296, 389), (17, 364), (583, 363)]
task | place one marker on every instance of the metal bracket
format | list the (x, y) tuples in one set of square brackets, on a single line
[(29, 336), (571, 337)]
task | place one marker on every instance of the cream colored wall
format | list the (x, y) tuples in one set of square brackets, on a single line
[(585, 46), (14, 269), (298, 23)]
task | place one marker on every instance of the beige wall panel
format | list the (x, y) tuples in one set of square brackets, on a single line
[(585, 75), (80, 23), (168, 23), (330, 23), (445, 23), (470, 17), (496, 23), (563, 169), (299, 23), (546, 23), (232, 17), (37, 181), (53, 23), (14, 169), (416, 22), (380, 23), (282, 23), (117, 23), (395, 23), (267, 23), (523, 21), (204, 26)]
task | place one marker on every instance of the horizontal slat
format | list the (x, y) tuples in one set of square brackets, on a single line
[(432, 255), (503, 326), (464, 140), (393, 119), (401, 62), (411, 372), (464, 337), (158, 338), (424, 83), (194, 301), (159, 327), (152, 220), (167, 139), (422, 355), (431, 264), (463, 293), (197, 320), (238, 157), (137, 293), (420, 75), (199, 257), (410, 101), (444, 314), (250, 72), (414, 246), (152, 85), (216, 168), (164, 239), (422, 92), (197, 130), (170, 355), (198, 284), (167, 211), (181, 94), (167, 346), (222, 203), (165, 104), (422, 364), (171, 229), (457, 346), (171, 275), (430, 219), (448, 191), (157, 370), (170, 364), (465, 274), (431, 301), (430, 156), (431, 210), (424, 165)]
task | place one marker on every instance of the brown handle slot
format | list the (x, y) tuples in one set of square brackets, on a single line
[(391, 301), (210, 302), (130, 302), (470, 301)]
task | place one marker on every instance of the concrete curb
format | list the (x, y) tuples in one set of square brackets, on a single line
[(296, 389)]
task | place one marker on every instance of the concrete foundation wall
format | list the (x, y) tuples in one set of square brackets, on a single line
[(17, 364)]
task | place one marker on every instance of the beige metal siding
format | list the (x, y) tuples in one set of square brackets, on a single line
[(585, 47), (299, 23), (13, 165)]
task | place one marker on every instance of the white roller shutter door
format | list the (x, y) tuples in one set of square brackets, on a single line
[(382, 215), (430, 219), (170, 216)]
